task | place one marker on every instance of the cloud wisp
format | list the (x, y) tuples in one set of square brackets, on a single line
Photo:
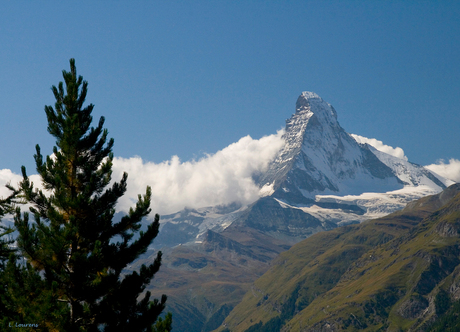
[(396, 152), (450, 170)]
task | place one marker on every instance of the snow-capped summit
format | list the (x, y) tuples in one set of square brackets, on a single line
[(322, 108), (320, 179), (319, 157)]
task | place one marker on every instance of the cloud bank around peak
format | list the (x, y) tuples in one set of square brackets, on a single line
[(396, 152), (220, 178)]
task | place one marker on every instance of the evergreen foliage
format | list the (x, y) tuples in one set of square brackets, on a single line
[(163, 325), (75, 253), (5, 242), (6, 206), (6, 252)]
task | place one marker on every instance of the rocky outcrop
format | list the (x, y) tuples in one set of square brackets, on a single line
[(414, 307)]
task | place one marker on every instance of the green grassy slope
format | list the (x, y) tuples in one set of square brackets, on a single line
[(381, 274), (205, 281)]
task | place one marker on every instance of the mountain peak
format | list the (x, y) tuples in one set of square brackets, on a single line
[(311, 102), (320, 157), (309, 95)]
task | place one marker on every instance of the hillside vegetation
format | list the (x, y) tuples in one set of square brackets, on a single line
[(397, 273)]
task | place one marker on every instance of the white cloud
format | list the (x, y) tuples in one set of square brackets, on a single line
[(450, 170), (6, 176), (396, 152), (220, 178)]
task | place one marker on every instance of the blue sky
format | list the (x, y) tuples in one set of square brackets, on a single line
[(188, 78)]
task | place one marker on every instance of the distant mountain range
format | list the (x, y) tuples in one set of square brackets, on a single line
[(322, 178)]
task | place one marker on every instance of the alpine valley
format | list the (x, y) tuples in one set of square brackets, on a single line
[(331, 244)]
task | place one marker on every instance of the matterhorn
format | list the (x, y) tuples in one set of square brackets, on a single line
[(320, 158), (320, 179)]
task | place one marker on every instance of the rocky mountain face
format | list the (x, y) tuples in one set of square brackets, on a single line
[(322, 178), (320, 157), (400, 272)]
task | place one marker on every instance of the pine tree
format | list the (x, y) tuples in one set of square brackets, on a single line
[(6, 252), (74, 245), (6, 206)]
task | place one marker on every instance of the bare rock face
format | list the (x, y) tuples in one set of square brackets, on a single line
[(319, 156), (413, 307), (446, 229), (324, 327), (304, 188)]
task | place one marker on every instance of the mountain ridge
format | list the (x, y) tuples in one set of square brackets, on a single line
[(385, 273), (321, 171), (317, 182), (319, 157)]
